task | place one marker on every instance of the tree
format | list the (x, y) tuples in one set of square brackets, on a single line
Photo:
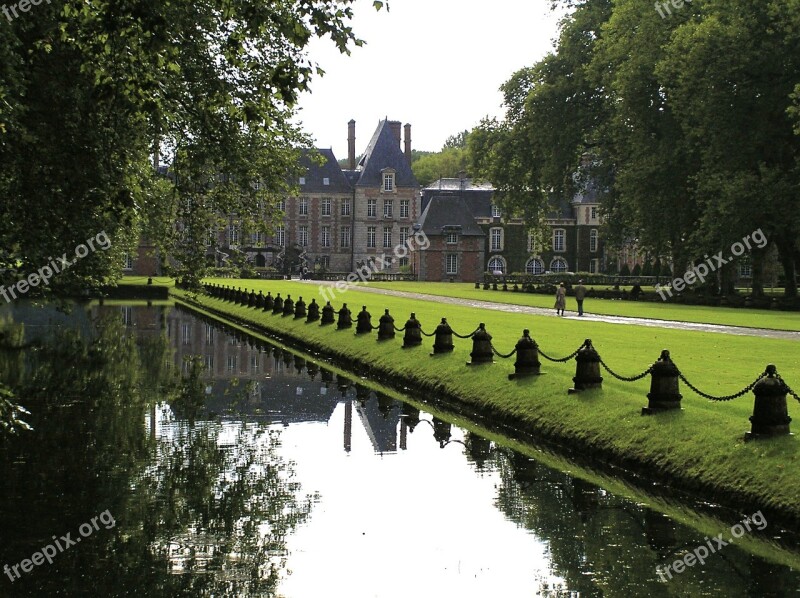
[(210, 86)]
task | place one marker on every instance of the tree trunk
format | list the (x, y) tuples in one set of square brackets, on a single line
[(786, 254), (757, 272)]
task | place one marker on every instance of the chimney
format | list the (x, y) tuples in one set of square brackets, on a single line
[(408, 142), (396, 126), (351, 144)]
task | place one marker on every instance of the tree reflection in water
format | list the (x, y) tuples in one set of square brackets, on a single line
[(202, 508)]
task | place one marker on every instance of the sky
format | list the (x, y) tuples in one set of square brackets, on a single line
[(436, 64)]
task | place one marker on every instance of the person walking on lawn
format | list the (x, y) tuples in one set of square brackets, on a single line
[(561, 299), (580, 295)]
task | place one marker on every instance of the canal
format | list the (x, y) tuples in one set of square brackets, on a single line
[(171, 456)]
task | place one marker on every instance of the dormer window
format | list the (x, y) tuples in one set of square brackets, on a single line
[(326, 181), (495, 211), (388, 181), (302, 180)]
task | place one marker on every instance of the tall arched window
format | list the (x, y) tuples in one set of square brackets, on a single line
[(497, 264), (559, 264), (534, 266)]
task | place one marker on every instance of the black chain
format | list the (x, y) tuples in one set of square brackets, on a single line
[(400, 329), (563, 359), (742, 392), (786, 386), (425, 333), (623, 378), (496, 352), (470, 335)]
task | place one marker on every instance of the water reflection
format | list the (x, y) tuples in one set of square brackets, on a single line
[(254, 463)]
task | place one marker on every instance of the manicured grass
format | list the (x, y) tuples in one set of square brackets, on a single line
[(751, 318), (702, 444)]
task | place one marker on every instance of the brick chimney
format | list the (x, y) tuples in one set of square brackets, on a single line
[(396, 126), (351, 144), (407, 136)]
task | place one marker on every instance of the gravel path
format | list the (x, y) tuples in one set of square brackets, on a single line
[(540, 311)]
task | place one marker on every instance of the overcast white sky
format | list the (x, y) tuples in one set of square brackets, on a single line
[(437, 64)]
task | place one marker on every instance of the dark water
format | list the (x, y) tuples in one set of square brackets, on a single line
[(183, 460)]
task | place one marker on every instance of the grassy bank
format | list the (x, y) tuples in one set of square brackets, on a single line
[(751, 318), (700, 448)]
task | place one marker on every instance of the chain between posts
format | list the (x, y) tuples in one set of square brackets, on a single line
[(742, 392), (403, 329), (425, 333), (470, 335), (500, 355), (624, 378), (563, 359), (788, 390)]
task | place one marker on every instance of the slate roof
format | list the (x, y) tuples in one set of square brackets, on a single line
[(382, 152), (591, 193), (449, 210), (477, 196), (315, 174)]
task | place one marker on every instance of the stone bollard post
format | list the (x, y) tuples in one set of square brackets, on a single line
[(587, 368), (443, 339), (288, 306), (260, 300), (269, 302), (300, 309), (413, 332), (251, 299), (277, 306), (363, 321), (327, 314), (345, 318), (313, 311), (664, 392), (527, 363), (481, 347), (385, 327), (770, 413)]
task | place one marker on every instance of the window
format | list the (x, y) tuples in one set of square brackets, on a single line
[(302, 236), (452, 238), (404, 205), (127, 262), (209, 335), (745, 269), (186, 334), (209, 362), (594, 212), (372, 208), (210, 237), (496, 239), (403, 263), (326, 181), (593, 240), (257, 239), (387, 208), (403, 234), (303, 209), (532, 244), (451, 263), (232, 363), (254, 363), (325, 209), (388, 181), (302, 180), (387, 236), (344, 237), (559, 240), (127, 316), (345, 207), (280, 235), (497, 264), (325, 236), (559, 264), (370, 236), (325, 262), (495, 211), (594, 266), (534, 266), (282, 205), (233, 235)]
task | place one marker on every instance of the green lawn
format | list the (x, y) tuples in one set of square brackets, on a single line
[(751, 318), (703, 443)]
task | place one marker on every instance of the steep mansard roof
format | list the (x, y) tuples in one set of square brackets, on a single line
[(383, 152)]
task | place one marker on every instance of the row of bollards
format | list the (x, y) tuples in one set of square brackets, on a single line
[(770, 411)]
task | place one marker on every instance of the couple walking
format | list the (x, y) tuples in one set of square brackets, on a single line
[(561, 298)]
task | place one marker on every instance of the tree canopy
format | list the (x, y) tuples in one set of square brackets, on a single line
[(91, 93)]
